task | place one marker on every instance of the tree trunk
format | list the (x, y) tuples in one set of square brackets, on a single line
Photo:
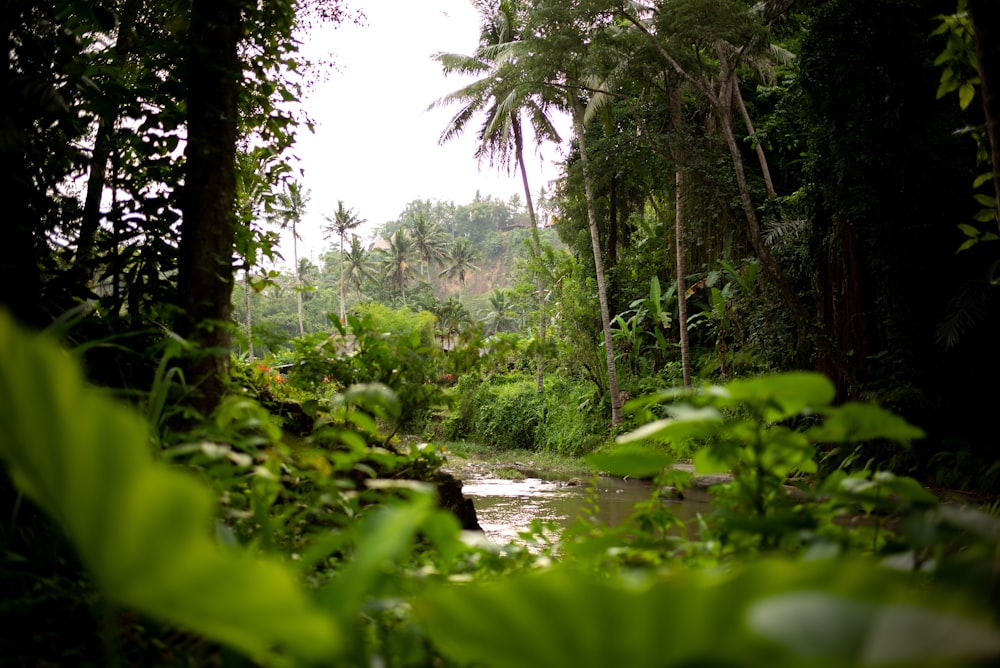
[(682, 318), (103, 143), (249, 317), (986, 23), (748, 123), (205, 262), (536, 249), (677, 128), (724, 112), (602, 294), (343, 287), (298, 278)]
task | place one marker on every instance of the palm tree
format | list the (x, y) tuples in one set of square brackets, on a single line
[(502, 95), (343, 221), (501, 306), (555, 56), (429, 240), (451, 315), (461, 259), (288, 209), (357, 262), (398, 263)]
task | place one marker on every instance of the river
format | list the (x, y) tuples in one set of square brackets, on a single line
[(506, 508)]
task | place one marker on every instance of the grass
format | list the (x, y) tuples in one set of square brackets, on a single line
[(506, 461)]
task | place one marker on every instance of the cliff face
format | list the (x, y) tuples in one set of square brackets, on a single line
[(496, 273)]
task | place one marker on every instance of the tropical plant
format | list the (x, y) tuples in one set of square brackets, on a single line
[(503, 94), (288, 209), (357, 263), (398, 262), (498, 316), (429, 241), (461, 259), (343, 221)]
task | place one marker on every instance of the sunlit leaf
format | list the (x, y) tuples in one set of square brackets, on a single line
[(685, 423)]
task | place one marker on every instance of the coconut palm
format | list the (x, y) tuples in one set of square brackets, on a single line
[(501, 95), (461, 259), (398, 262), (343, 221), (498, 316), (429, 240), (451, 315), (357, 263), (288, 210)]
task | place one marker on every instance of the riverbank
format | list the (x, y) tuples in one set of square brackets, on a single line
[(472, 460)]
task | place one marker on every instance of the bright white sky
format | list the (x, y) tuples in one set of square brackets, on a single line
[(376, 145)]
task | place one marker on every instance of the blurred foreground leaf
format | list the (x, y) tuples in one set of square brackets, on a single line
[(143, 531)]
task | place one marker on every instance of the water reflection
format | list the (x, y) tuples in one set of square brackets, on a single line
[(506, 508)]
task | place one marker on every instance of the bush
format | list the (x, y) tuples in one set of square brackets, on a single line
[(506, 412), (507, 415), (571, 426)]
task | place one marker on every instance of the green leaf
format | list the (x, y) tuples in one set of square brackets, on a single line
[(985, 216), (385, 535), (142, 530), (773, 613), (635, 461), (706, 462), (781, 396), (966, 93), (817, 625), (982, 178), (969, 230), (972, 520), (855, 422), (986, 200), (686, 423)]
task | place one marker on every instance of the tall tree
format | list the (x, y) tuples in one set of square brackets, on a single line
[(559, 54), (706, 53), (462, 258), (343, 221), (398, 264), (289, 209), (986, 23), (498, 316), (429, 240), (357, 262), (502, 95), (205, 262)]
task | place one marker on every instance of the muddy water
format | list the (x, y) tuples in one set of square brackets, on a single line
[(506, 508)]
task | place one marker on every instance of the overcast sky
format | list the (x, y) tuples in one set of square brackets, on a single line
[(376, 145)]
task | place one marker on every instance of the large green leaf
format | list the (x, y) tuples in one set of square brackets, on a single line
[(636, 461), (773, 613), (143, 531), (779, 396), (854, 422)]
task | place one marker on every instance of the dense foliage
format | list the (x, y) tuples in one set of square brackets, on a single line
[(200, 470)]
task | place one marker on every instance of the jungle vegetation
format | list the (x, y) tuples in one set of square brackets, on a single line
[(771, 252)]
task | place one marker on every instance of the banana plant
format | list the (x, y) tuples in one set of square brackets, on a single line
[(656, 310)]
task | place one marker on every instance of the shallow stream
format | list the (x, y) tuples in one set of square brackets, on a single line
[(505, 508)]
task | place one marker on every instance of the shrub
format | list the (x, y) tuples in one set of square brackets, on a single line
[(508, 415), (571, 426)]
